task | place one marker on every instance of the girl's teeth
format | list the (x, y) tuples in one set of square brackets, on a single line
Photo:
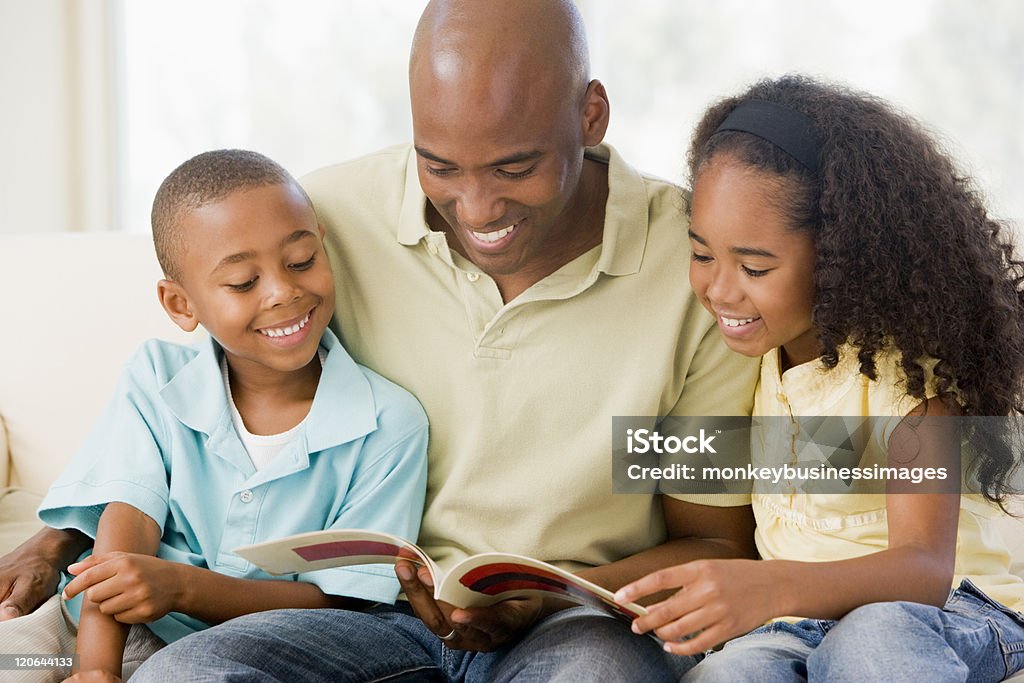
[(736, 322), (285, 331), (493, 236)]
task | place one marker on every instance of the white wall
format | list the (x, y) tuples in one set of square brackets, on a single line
[(55, 142)]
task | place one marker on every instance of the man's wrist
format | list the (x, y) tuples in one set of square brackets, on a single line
[(57, 547)]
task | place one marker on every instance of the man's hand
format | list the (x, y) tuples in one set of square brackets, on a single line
[(29, 573), (481, 629), (94, 676), (132, 588)]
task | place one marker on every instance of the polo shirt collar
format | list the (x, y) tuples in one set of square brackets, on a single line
[(626, 212), (343, 407)]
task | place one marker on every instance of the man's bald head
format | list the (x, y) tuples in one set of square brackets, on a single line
[(503, 110), (504, 43)]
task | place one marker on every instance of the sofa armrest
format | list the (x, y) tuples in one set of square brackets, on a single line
[(5, 456)]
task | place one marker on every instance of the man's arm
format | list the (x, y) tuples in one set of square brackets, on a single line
[(29, 573), (694, 532)]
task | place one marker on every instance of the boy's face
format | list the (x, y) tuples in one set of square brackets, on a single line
[(256, 276)]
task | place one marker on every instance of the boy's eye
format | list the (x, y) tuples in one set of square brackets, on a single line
[(515, 175), (756, 273), (244, 287), (305, 265)]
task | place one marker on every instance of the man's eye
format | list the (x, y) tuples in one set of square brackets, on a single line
[(244, 287), (432, 170), (515, 175)]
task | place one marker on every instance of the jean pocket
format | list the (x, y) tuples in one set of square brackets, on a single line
[(985, 603)]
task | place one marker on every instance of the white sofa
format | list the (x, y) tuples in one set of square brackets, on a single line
[(75, 307)]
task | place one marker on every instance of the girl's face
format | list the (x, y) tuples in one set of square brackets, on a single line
[(750, 269)]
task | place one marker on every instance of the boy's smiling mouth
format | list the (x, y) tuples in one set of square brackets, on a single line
[(287, 331)]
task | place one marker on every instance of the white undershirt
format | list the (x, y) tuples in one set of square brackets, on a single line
[(261, 448)]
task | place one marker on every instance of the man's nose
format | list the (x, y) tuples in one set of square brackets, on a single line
[(479, 206)]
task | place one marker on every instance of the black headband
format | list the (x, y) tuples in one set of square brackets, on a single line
[(789, 130)]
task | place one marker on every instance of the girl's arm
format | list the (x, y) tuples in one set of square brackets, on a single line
[(100, 643), (721, 599)]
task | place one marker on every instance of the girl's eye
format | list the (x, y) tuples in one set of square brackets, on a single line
[(700, 258), (244, 287), (515, 175), (755, 273), (305, 265)]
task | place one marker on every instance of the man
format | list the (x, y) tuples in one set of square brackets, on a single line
[(526, 285)]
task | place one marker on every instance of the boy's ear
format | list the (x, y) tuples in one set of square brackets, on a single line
[(174, 299)]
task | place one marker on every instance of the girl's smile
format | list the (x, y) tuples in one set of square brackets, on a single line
[(751, 269)]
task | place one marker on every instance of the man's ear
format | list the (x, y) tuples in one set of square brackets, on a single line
[(174, 299), (596, 112)]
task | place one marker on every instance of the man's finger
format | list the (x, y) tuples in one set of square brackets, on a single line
[(21, 600), (9, 609)]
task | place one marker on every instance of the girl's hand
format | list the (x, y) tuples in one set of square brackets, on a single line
[(717, 600), (132, 588)]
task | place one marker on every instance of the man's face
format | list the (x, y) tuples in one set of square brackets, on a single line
[(257, 278), (502, 167)]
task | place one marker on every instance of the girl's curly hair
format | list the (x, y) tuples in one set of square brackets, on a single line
[(906, 253)]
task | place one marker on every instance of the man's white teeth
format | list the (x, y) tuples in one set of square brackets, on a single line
[(493, 236), (285, 331), (736, 322)]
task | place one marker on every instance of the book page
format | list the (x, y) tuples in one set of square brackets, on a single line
[(491, 577), (332, 548)]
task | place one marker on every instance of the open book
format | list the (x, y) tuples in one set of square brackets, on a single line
[(479, 580)]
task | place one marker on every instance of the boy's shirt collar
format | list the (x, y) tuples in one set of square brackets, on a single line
[(343, 407)]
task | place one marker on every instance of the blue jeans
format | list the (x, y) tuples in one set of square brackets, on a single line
[(973, 638), (388, 643)]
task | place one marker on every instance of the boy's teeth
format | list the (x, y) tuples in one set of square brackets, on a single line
[(285, 331), (736, 322), (493, 236)]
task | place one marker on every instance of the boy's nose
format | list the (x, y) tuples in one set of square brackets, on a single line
[(283, 291)]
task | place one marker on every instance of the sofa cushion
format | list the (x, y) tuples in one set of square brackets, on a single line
[(18, 518), (81, 304)]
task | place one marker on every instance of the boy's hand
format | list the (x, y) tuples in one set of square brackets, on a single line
[(132, 588), (717, 600), (480, 629), (94, 676)]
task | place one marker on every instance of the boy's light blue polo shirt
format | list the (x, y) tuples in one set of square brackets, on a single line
[(166, 445)]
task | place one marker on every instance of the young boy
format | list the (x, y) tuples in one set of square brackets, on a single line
[(266, 429)]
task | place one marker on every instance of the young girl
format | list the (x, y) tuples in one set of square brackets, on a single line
[(830, 235)]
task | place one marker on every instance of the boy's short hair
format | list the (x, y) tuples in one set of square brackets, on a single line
[(202, 180)]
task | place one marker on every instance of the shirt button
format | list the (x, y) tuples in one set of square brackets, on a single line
[(472, 277), (432, 248), (245, 496)]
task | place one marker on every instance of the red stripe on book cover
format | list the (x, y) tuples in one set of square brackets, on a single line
[(335, 549)]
